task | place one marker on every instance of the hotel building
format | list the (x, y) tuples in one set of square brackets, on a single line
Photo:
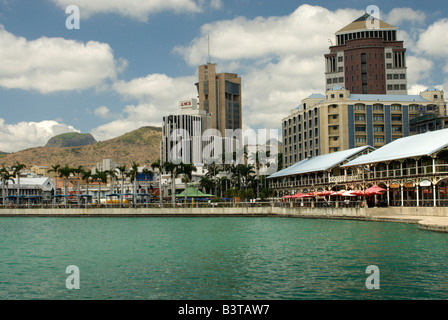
[(341, 120)]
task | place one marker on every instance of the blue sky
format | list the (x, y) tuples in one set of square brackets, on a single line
[(132, 61)]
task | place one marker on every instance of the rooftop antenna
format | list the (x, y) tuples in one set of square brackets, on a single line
[(208, 53)]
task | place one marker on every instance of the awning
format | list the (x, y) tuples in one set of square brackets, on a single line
[(192, 192)]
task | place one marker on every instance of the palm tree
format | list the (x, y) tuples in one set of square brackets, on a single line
[(5, 176), (133, 175), (212, 172), (246, 171), (146, 172), (113, 175), (65, 173), (78, 171), (206, 183), (222, 183), (187, 170), (100, 176), (158, 166), (171, 168), (122, 170), (16, 172), (86, 176), (255, 157), (55, 169), (236, 175)]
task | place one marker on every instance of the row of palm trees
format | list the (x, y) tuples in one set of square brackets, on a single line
[(241, 176), (80, 174), (7, 175)]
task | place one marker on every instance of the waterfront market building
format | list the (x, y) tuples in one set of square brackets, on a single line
[(413, 171)]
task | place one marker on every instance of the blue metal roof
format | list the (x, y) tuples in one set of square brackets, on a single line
[(319, 163), (431, 89), (423, 144), (336, 87), (387, 97)]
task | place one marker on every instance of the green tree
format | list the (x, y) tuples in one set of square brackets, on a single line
[(157, 166), (5, 176), (78, 171), (100, 177), (172, 169), (55, 169), (222, 183), (187, 170), (122, 170), (17, 168), (86, 176), (212, 172), (65, 173), (206, 184)]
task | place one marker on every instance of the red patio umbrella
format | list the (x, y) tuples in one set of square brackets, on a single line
[(305, 196), (297, 195), (348, 194), (326, 193), (374, 190), (357, 193)]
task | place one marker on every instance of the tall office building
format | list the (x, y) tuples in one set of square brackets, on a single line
[(367, 59), (220, 95), (182, 133)]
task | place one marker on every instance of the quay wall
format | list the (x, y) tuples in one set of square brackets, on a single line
[(172, 212), (431, 219), (232, 211)]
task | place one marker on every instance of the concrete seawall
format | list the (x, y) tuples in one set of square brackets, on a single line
[(433, 219)]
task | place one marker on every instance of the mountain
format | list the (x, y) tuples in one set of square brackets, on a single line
[(71, 139), (141, 145)]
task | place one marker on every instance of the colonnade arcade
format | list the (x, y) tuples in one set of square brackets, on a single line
[(409, 182)]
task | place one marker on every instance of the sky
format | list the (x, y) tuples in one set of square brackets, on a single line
[(130, 62)]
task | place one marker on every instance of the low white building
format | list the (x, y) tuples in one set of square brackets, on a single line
[(30, 186)]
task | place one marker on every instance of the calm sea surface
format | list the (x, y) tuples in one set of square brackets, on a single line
[(219, 258)]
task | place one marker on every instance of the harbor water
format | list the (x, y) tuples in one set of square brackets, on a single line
[(237, 258)]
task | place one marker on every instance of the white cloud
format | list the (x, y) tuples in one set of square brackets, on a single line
[(158, 95), (137, 9), (216, 4), (158, 88), (104, 112), (304, 32), (280, 59), (133, 117), (419, 69), (54, 64), (399, 15), (25, 135), (434, 41), (416, 88)]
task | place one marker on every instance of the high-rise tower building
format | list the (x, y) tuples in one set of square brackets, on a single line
[(220, 95), (367, 59)]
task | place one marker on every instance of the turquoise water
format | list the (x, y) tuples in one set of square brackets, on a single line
[(219, 258)]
